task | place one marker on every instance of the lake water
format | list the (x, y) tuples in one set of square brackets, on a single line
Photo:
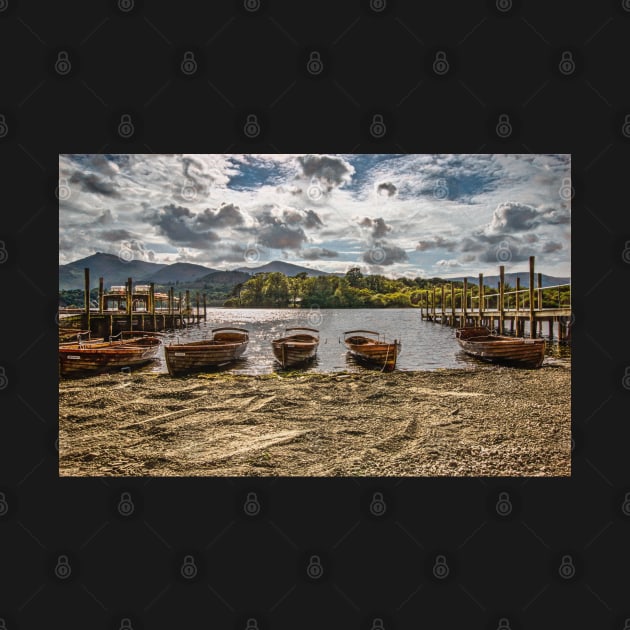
[(425, 345)]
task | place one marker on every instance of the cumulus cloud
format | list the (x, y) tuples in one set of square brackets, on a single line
[(228, 215), (379, 227), (512, 216), (551, 246), (438, 242), (113, 236), (308, 218), (331, 171), (92, 183), (386, 188), (318, 253), (278, 235), (177, 224), (384, 254)]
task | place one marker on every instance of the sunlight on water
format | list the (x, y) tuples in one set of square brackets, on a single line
[(425, 345)]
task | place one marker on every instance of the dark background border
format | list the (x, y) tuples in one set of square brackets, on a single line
[(504, 58)]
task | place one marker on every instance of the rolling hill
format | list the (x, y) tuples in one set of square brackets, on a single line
[(288, 269), (510, 278)]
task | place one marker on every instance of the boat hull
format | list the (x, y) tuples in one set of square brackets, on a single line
[(381, 355), (295, 349), (99, 357), (195, 356), (517, 352)]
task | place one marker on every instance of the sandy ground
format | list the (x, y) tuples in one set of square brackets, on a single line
[(487, 421)]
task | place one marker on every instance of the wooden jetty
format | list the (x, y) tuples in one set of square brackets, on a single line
[(470, 306), (132, 307)]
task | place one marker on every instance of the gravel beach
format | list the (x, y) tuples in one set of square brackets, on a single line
[(484, 421)]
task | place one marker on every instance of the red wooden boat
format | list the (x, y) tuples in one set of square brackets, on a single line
[(94, 357), (375, 351), (480, 342), (226, 345), (297, 348)]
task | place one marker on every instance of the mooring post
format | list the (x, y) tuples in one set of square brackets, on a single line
[(179, 308), (480, 299), (101, 292), (188, 309), (465, 301), (516, 315), (532, 311), (433, 304), (501, 297), (452, 304), (152, 302), (204, 307), (130, 302), (442, 306), (198, 306), (86, 296)]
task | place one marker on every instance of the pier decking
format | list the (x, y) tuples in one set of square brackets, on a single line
[(128, 308), (505, 311)]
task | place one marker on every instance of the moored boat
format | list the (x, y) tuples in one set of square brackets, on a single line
[(226, 345), (297, 348), (480, 342), (94, 357), (374, 351)]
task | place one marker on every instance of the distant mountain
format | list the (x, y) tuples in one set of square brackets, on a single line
[(112, 268), (115, 270), (287, 269), (510, 278), (179, 272)]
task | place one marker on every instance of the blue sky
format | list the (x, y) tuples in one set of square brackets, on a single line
[(400, 215)]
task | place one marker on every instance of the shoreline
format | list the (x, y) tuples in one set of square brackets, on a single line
[(478, 421)]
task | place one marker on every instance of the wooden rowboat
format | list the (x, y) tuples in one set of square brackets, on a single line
[(226, 345), (480, 342), (94, 357), (297, 348), (375, 351)]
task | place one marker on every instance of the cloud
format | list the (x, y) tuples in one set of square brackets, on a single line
[(177, 224), (317, 253), (330, 170), (512, 216), (105, 218), (92, 183), (437, 242), (551, 246), (383, 254), (278, 235), (228, 215), (386, 188), (448, 263), (379, 227), (308, 218), (113, 236)]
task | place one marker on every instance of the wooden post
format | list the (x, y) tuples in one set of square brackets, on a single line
[(129, 302), (188, 309), (101, 292), (442, 305), (465, 301), (518, 298), (204, 307), (480, 298), (198, 305), (152, 302), (501, 297), (179, 308), (532, 312), (540, 296), (452, 304), (86, 296), (433, 304)]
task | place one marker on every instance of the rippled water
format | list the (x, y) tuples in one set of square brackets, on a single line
[(425, 345)]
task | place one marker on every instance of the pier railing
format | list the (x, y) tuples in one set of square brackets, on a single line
[(480, 305)]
